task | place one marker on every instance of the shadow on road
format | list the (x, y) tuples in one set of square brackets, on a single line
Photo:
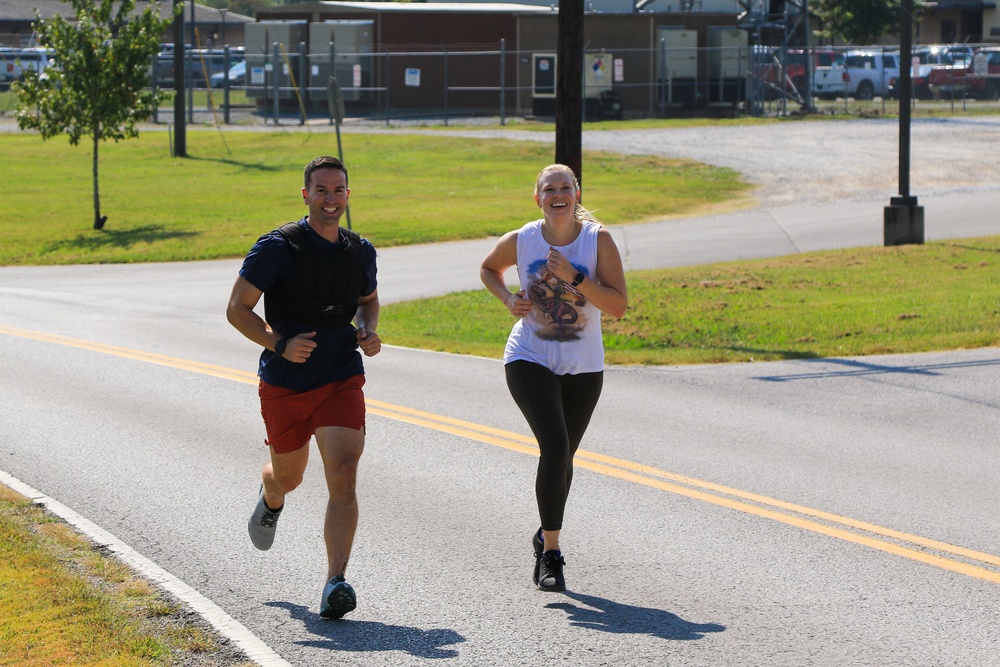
[(370, 636), (854, 367), (608, 616)]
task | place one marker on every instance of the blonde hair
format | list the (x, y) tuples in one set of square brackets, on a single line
[(580, 212)]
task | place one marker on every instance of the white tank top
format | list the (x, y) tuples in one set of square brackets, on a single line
[(563, 330)]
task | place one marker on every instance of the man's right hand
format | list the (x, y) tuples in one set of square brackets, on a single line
[(299, 348)]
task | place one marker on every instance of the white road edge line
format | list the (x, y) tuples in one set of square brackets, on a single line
[(256, 650)]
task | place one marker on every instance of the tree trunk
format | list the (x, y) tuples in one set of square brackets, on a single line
[(99, 220)]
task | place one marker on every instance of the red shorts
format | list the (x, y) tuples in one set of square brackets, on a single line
[(291, 417)]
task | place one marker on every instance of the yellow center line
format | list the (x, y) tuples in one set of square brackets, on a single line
[(884, 539)]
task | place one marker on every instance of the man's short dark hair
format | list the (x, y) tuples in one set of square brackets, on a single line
[(324, 162)]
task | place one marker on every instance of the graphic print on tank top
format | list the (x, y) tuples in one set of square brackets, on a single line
[(561, 304)]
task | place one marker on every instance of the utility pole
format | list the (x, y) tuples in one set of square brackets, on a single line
[(903, 219), (180, 134), (807, 101), (569, 87)]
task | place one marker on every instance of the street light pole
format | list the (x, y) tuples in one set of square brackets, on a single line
[(903, 219), (180, 133)]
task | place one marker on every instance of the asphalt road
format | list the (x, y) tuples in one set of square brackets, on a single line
[(827, 512)]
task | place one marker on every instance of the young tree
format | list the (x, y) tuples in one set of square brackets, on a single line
[(858, 22), (99, 86)]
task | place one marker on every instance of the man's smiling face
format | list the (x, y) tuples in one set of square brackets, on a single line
[(326, 197)]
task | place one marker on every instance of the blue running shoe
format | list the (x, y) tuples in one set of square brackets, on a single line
[(338, 598)]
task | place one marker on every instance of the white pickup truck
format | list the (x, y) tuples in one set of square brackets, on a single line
[(858, 74), (16, 61)]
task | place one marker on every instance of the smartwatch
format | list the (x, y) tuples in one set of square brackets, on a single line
[(578, 278), (279, 347)]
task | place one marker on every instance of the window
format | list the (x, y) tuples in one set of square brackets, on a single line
[(860, 61)]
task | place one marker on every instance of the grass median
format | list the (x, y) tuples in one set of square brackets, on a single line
[(917, 298)]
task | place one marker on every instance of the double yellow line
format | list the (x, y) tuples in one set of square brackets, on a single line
[(931, 552)]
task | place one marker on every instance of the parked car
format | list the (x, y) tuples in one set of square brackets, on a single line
[(929, 59), (237, 76), (18, 61), (980, 79), (198, 61), (961, 53), (6, 67), (858, 74)]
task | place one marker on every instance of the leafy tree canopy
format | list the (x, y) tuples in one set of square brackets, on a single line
[(858, 21), (99, 86)]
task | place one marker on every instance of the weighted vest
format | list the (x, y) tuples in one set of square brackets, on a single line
[(325, 287)]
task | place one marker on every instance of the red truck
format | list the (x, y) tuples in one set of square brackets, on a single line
[(768, 68), (979, 79)]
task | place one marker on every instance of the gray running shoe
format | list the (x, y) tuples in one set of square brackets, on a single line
[(263, 522), (338, 598)]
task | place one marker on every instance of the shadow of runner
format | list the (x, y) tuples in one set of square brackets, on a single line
[(608, 616), (370, 636)]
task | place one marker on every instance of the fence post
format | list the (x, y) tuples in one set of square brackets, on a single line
[(276, 68), (304, 80), (153, 83), (503, 81), (225, 83), (188, 82), (333, 70), (445, 85)]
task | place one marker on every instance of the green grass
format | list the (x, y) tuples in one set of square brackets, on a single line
[(917, 298), (238, 185), (63, 602)]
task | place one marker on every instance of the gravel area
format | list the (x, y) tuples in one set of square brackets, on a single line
[(820, 161)]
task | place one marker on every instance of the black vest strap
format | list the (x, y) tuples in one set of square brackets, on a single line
[(326, 285)]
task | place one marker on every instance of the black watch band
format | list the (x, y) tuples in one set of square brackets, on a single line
[(279, 347), (578, 278)]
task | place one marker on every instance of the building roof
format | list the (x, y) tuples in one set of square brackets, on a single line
[(19, 10), (411, 7), (961, 4)]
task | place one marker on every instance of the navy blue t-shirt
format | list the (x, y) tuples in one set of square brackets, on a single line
[(336, 356)]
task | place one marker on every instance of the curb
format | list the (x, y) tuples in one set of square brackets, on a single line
[(225, 624)]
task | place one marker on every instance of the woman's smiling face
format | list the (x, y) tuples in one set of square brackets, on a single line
[(557, 193)]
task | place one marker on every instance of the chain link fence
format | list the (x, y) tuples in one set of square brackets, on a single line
[(282, 85)]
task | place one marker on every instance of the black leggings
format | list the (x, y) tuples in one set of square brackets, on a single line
[(558, 410)]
